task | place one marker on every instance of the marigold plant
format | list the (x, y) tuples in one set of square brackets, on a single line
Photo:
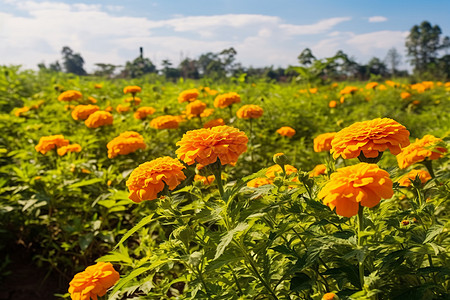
[(47, 143), (318, 170), (134, 100), (99, 118), (122, 108), (214, 123), (272, 171), (406, 179), (286, 131), (21, 111), (69, 148), (351, 186), (126, 143), (250, 111), (206, 145), (143, 112), (348, 90), (132, 89), (424, 148), (227, 99), (93, 282), (371, 85), (150, 178), (82, 112), (370, 138), (195, 108), (70, 95), (323, 141), (188, 95), (257, 182), (165, 122)]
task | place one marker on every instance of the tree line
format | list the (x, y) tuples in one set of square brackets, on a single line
[(424, 45)]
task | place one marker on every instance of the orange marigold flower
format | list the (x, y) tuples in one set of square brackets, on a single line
[(313, 90), (210, 91), (330, 296), (206, 145), (370, 138), (392, 83), (227, 99), (47, 143), (425, 148), (195, 108), (206, 180), (122, 108), (348, 90), (143, 112), (94, 281), (99, 118), (70, 96), (348, 187), (318, 170), (323, 141), (98, 86), (405, 95), (257, 182), (135, 100), (132, 89), (371, 85), (332, 104), (82, 112), (207, 112), (250, 111), (286, 131), (214, 123), (188, 95), (92, 100), (109, 108), (69, 148), (272, 171), (127, 142), (405, 180), (21, 111), (165, 122), (149, 178)]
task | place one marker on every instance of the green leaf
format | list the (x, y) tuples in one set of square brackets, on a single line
[(85, 240), (228, 237), (432, 233), (123, 281), (300, 282), (141, 224), (84, 183)]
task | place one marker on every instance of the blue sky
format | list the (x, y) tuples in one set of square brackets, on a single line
[(264, 33)]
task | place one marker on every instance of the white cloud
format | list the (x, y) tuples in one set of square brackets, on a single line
[(377, 19), (319, 27)]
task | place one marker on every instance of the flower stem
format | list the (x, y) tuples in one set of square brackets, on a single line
[(360, 230), (428, 165)]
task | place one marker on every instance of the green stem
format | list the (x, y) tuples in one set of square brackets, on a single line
[(241, 293), (251, 144), (429, 167), (217, 172), (360, 242)]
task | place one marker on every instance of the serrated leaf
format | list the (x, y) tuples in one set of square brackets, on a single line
[(228, 237), (84, 183), (141, 224), (432, 233)]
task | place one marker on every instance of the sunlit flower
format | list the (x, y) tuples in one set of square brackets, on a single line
[(370, 138), (318, 170), (99, 118), (165, 122), (257, 182), (21, 111), (425, 148), (134, 100), (149, 178), (70, 96), (143, 112), (195, 108), (348, 187), (323, 141), (109, 108), (313, 90), (286, 131), (405, 180), (371, 85), (132, 89), (188, 95), (227, 99), (330, 296), (250, 111), (382, 87), (98, 86), (210, 91), (94, 281), (348, 90), (392, 83), (214, 123), (69, 148), (122, 108), (127, 142), (207, 112), (206, 145), (82, 112), (206, 180), (92, 100), (272, 171), (47, 143), (405, 95), (332, 104)]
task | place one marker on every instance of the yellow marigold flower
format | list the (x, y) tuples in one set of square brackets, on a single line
[(206, 145), (109, 108), (92, 100), (370, 138), (286, 131), (272, 171), (313, 90), (122, 108), (323, 141), (98, 86), (69, 148), (405, 180), (227, 99), (132, 89), (210, 91), (99, 118), (348, 90), (143, 112), (207, 112), (405, 95), (47, 143), (195, 108), (342, 99), (188, 95), (382, 87), (149, 178), (135, 100), (419, 87), (371, 85), (94, 281), (348, 187), (206, 180), (214, 123), (127, 142), (332, 104), (425, 148), (250, 111), (392, 83), (165, 122), (257, 182), (318, 170), (70, 96), (21, 111), (82, 112), (330, 296)]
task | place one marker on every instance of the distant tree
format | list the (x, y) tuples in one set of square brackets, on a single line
[(168, 71), (227, 57), (72, 62), (393, 60), (189, 68), (217, 65), (138, 67), (423, 43), (105, 69), (376, 67), (306, 58)]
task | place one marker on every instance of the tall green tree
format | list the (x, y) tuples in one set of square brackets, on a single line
[(423, 44), (72, 62), (393, 60), (139, 67)]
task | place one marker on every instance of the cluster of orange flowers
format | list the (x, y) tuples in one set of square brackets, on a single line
[(144, 111), (165, 122), (82, 112), (405, 180), (323, 141), (132, 89), (70, 95), (127, 142), (58, 142)]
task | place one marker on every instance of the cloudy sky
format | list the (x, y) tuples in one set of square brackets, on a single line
[(263, 32)]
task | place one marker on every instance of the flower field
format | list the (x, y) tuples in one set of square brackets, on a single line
[(150, 189)]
